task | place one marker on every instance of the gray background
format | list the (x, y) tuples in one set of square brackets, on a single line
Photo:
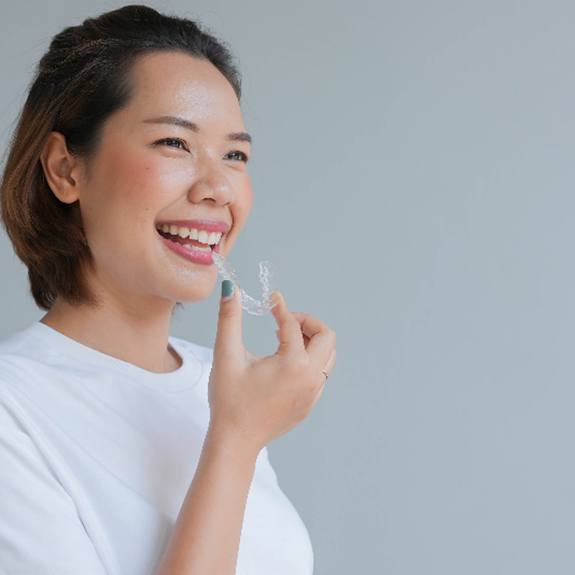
[(413, 173)]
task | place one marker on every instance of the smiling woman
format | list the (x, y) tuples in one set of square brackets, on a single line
[(125, 450), (105, 166), (100, 103)]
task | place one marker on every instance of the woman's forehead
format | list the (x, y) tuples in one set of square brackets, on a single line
[(181, 86), (182, 80)]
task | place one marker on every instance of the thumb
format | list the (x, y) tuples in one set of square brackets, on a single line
[(229, 340)]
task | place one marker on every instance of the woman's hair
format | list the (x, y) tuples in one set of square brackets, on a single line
[(82, 79)]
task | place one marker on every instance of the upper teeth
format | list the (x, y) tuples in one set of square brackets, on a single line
[(201, 236)]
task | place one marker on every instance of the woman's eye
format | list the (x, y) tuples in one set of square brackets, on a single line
[(243, 157), (181, 145), (169, 141)]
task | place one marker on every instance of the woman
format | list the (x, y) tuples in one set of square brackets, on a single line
[(123, 449)]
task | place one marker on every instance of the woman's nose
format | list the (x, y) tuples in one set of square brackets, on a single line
[(212, 183)]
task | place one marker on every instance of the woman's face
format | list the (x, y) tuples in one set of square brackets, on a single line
[(146, 172)]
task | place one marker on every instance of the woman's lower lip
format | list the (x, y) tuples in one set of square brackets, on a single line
[(195, 256)]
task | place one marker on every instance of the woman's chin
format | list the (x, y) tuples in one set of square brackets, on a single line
[(202, 287)]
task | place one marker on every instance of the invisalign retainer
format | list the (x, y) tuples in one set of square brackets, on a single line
[(249, 304)]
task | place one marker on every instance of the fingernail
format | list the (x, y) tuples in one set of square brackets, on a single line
[(227, 289)]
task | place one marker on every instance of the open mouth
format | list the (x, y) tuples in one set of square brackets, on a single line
[(190, 242)]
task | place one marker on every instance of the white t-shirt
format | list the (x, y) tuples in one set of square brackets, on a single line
[(96, 457)]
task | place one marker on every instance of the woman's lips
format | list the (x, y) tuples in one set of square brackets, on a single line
[(176, 244), (195, 256)]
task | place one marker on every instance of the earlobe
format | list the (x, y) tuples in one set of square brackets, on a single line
[(58, 163)]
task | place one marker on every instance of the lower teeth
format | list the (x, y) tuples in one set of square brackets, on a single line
[(192, 248)]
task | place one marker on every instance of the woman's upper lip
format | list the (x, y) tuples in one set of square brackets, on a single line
[(203, 224)]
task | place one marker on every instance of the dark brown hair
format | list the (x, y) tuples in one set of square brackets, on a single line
[(81, 80)]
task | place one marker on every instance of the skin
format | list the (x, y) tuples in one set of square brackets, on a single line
[(134, 182)]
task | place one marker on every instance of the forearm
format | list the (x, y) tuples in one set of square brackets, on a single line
[(206, 536)]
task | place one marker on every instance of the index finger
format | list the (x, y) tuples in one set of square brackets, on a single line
[(321, 338), (288, 332)]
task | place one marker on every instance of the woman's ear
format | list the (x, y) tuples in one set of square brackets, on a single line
[(59, 168)]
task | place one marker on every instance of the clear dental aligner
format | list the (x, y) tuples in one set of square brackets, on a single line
[(249, 304)]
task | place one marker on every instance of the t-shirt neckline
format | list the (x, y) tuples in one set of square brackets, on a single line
[(186, 376)]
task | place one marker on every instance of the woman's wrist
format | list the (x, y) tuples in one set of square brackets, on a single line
[(231, 442)]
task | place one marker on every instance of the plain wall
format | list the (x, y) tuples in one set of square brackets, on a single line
[(413, 178)]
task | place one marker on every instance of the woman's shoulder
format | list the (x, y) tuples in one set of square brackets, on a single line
[(10, 357), (10, 342), (20, 344), (16, 352), (11, 374)]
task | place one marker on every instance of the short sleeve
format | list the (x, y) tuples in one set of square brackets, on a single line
[(40, 529)]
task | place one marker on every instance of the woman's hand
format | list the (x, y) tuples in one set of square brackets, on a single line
[(258, 399)]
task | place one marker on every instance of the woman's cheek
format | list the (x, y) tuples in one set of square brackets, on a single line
[(140, 178)]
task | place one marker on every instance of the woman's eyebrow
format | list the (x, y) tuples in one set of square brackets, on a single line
[(178, 121)]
